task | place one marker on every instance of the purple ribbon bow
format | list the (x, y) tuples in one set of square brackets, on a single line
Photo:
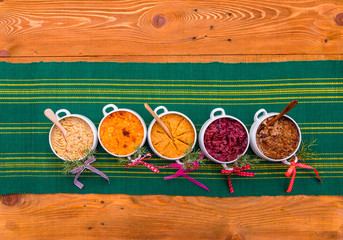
[(183, 172), (87, 165)]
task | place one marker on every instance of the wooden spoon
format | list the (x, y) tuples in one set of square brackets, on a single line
[(165, 128), (51, 115), (284, 111)]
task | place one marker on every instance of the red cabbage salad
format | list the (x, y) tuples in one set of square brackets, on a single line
[(225, 139)]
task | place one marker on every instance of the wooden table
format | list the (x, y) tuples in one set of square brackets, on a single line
[(170, 31)]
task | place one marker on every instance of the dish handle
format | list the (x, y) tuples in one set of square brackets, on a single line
[(288, 163), (217, 110), (225, 166), (161, 107), (256, 118), (133, 160), (108, 106), (62, 111)]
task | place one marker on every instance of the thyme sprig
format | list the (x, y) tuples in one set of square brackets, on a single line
[(244, 161), (306, 151), (191, 156), (139, 151), (70, 165)]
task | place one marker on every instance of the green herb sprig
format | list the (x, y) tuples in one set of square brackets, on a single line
[(306, 151), (139, 151), (70, 165), (190, 157), (244, 161)]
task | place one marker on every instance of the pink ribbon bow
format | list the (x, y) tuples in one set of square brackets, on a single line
[(292, 171), (237, 171), (140, 161), (183, 172), (87, 165)]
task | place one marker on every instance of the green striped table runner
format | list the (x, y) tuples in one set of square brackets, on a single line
[(27, 164)]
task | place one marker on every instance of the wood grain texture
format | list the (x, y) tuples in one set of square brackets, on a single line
[(177, 58), (70, 216), (168, 27), (170, 31)]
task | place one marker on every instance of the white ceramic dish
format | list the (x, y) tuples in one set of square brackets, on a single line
[(165, 112), (205, 126), (116, 109), (87, 120), (257, 121)]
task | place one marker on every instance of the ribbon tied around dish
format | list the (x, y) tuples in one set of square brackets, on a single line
[(183, 172), (292, 172), (239, 172), (139, 160), (86, 165)]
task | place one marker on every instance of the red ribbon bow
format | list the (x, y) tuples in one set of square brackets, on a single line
[(292, 171), (237, 171), (140, 161)]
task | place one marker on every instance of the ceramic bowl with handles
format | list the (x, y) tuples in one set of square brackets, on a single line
[(106, 112), (204, 127), (258, 119), (87, 120), (165, 112)]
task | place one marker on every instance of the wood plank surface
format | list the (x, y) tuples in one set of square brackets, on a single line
[(168, 27), (71, 216), (170, 31), (178, 58)]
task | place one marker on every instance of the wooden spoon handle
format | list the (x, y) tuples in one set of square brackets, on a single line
[(284, 111), (51, 115), (165, 128)]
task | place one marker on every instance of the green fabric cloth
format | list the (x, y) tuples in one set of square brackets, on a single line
[(27, 164)]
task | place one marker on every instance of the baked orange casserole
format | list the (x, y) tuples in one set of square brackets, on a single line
[(120, 132)]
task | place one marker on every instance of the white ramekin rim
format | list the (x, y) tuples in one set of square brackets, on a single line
[(116, 109), (166, 112), (207, 124), (84, 118), (255, 127)]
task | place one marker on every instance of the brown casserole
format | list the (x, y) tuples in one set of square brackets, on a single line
[(278, 141)]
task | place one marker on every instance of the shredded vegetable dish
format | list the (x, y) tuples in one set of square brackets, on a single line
[(79, 137), (225, 139)]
